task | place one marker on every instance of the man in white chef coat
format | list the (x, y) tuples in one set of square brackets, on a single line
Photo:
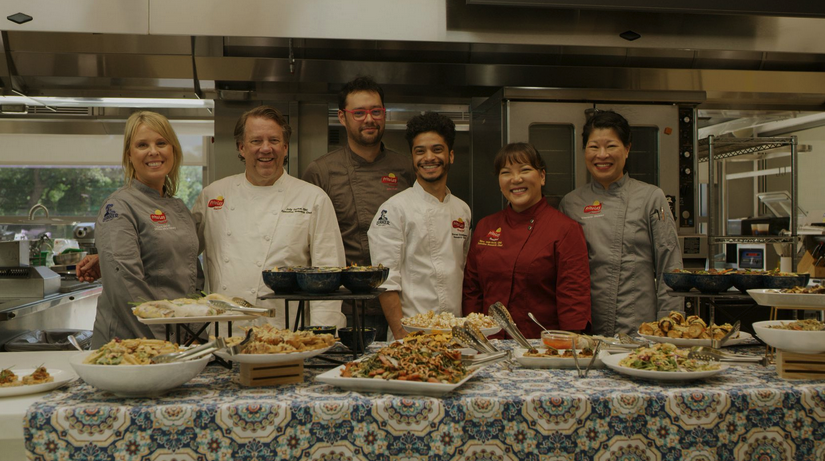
[(264, 218), (422, 234)]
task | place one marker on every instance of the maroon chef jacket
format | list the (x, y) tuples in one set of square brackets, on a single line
[(534, 261)]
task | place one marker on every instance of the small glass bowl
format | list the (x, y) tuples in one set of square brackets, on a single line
[(558, 339)]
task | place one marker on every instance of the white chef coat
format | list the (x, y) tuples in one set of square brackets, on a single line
[(424, 243), (247, 229)]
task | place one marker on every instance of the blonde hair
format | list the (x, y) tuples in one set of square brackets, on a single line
[(160, 124)]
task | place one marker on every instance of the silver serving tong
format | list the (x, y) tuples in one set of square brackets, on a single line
[(710, 354), (234, 307), (717, 343), (238, 348), (463, 337), (193, 353), (502, 317), (486, 359), (478, 335)]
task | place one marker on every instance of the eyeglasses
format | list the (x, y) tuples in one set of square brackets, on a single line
[(361, 114)]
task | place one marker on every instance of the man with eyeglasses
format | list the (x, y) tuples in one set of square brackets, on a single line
[(360, 176)]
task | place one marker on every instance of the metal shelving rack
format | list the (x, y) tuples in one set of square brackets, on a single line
[(713, 149)]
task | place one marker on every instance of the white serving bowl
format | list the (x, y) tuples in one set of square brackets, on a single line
[(802, 342), (137, 380)]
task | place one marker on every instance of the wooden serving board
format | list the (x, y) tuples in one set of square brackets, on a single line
[(269, 374), (790, 365)]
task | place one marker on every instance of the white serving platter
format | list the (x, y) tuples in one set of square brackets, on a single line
[(61, 377), (280, 357), (553, 362), (197, 319), (772, 297), (484, 331), (801, 342), (743, 338), (390, 386), (612, 362)]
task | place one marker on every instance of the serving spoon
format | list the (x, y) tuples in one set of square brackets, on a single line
[(73, 342), (533, 318)]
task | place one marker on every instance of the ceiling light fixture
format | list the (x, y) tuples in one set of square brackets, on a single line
[(110, 102)]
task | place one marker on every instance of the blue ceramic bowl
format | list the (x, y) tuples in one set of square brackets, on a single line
[(745, 282), (363, 280), (346, 335), (712, 283), (786, 281), (283, 281), (678, 281), (318, 280)]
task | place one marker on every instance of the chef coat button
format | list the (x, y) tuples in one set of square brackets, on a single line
[(259, 264), (224, 287), (266, 237), (529, 227), (228, 232), (231, 207), (226, 260), (531, 221), (274, 212)]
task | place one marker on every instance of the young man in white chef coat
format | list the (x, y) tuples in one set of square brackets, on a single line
[(264, 218), (422, 234)]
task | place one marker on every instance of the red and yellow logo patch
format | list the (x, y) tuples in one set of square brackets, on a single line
[(216, 203), (494, 235), (595, 208), (390, 179), (458, 224), (158, 217)]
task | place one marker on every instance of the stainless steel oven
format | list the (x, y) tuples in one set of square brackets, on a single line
[(662, 151)]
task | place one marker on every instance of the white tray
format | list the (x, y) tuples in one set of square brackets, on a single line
[(198, 319), (390, 386), (553, 362), (484, 331), (61, 377), (271, 358), (771, 297), (612, 362), (744, 337)]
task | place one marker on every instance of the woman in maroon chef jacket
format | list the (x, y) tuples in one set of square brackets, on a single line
[(529, 256)]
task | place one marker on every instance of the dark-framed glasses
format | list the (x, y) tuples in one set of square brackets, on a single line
[(361, 114)]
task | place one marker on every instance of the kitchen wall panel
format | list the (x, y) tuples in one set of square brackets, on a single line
[(88, 16)]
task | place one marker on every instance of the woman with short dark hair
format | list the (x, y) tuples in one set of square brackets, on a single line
[(631, 236), (529, 256)]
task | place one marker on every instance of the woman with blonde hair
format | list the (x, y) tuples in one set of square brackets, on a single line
[(146, 238)]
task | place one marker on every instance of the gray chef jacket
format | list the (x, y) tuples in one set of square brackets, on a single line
[(630, 243), (357, 188), (148, 248)]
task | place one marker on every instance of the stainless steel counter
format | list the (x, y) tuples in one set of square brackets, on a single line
[(75, 309)]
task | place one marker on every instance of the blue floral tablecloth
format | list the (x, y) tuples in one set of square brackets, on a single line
[(747, 413)]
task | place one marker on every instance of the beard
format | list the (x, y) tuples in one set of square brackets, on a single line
[(368, 140), (445, 168)]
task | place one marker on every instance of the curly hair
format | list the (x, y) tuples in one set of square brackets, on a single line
[(361, 83), (431, 121)]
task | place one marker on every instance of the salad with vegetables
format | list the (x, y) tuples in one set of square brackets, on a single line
[(665, 357)]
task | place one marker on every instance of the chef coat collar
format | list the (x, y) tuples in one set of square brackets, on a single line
[(527, 215), (360, 160), (279, 183), (147, 190), (427, 197), (613, 186)]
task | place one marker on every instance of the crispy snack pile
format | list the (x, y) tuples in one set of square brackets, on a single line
[(675, 325)]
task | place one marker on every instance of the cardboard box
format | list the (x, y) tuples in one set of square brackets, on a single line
[(806, 264)]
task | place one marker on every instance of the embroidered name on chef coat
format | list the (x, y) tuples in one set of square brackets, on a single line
[(383, 220), (459, 229), (492, 239), (216, 203), (299, 209), (593, 211)]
